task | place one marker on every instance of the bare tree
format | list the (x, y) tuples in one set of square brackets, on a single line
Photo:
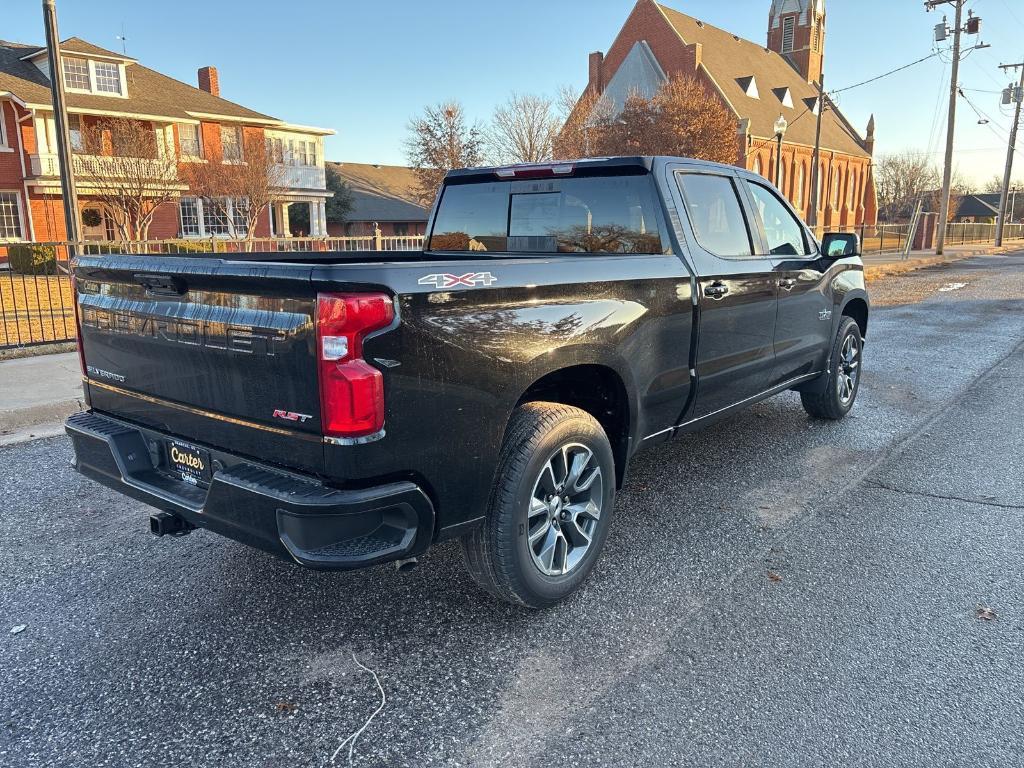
[(440, 140), (901, 179), (683, 118), (522, 130), (584, 118), (238, 193), (129, 173), (693, 122)]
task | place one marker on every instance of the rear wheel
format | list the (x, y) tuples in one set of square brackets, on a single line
[(550, 510), (836, 400)]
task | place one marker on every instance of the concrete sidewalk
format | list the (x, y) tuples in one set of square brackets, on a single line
[(37, 394)]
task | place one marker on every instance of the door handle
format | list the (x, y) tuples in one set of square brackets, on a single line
[(716, 291), (787, 283)]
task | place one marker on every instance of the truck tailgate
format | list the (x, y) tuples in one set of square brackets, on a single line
[(219, 352)]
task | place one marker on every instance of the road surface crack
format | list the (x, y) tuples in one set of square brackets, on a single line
[(925, 494)]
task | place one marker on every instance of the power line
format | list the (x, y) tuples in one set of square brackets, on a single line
[(890, 72)]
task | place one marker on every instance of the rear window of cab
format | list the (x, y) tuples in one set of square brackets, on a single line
[(606, 214)]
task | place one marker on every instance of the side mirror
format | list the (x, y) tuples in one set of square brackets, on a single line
[(837, 245)]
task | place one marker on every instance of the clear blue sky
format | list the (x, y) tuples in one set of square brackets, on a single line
[(364, 68)]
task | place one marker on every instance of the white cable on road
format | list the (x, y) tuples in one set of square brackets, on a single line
[(351, 740)]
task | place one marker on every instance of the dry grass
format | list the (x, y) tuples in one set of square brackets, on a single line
[(34, 309)]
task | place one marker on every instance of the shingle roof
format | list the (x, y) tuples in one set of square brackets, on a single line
[(149, 92), (381, 192), (982, 204), (730, 60)]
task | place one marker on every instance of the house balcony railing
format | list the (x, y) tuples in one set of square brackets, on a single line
[(47, 165), (303, 177)]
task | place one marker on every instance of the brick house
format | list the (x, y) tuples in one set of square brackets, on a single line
[(757, 84), (191, 125), (383, 196)]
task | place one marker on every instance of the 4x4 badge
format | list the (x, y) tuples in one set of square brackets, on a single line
[(470, 280)]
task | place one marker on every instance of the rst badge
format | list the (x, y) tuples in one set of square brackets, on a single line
[(469, 280)]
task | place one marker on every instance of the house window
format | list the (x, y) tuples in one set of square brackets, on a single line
[(188, 209), (401, 229), (215, 222), (75, 132), (239, 216), (275, 148), (189, 141), (788, 30), (3, 127), (231, 142), (817, 36), (108, 77), (76, 74), (10, 216), (207, 218), (850, 198), (835, 188), (798, 193)]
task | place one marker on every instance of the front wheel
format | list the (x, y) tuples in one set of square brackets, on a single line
[(843, 376), (550, 509)]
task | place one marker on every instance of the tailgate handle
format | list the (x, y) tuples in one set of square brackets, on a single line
[(164, 285)]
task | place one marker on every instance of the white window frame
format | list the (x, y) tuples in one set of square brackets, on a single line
[(239, 136), (182, 154), (5, 145), (203, 234), (19, 213), (91, 67)]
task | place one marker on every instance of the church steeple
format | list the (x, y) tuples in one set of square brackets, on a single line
[(796, 29)]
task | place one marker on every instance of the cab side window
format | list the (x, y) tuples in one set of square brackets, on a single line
[(785, 235), (715, 213)]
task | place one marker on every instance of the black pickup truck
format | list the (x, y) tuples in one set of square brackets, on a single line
[(344, 409)]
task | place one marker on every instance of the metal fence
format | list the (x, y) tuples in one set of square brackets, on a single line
[(36, 298), (899, 238), (880, 238)]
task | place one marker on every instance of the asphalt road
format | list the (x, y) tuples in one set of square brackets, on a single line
[(775, 591)]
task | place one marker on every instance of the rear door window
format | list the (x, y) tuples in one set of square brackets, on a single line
[(616, 214), (784, 234), (715, 213)]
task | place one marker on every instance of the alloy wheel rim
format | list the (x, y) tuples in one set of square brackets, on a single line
[(849, 369), (565, 509)]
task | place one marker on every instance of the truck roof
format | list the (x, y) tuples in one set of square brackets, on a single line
[(590, 166)]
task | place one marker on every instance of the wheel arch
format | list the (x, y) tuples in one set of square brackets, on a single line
[(599, 388), (856, 306)]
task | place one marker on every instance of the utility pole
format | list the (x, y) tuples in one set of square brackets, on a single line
[(1017, 96), (67, 173), (815, 168), (947, 171)]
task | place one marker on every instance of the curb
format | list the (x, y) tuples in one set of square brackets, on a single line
[(876, 271), (21, 419)]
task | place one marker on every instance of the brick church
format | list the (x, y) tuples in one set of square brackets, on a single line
[(757, 84)]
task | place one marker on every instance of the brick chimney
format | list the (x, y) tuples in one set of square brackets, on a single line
[(596, 80), (208, 80)]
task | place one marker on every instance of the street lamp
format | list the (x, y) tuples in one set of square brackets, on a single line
[(780, 130)]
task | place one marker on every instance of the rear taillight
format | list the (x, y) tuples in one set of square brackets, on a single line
[(351, 390)]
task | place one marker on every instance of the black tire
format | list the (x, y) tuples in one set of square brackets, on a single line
[(840, 392), (499, 554)]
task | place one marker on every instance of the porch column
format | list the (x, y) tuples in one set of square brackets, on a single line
[(322, 205), (283, 221)]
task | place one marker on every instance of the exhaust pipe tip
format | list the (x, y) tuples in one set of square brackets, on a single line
[(169, 524), (406, 564)]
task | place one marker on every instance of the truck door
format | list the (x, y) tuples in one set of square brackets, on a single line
[(737, 292), (804, 326)]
